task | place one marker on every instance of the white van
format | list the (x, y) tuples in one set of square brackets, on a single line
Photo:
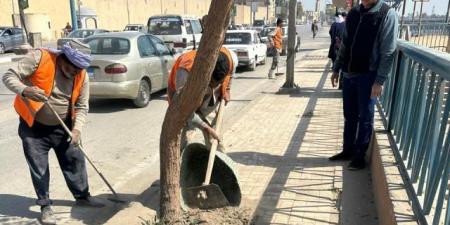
[(181, 32)]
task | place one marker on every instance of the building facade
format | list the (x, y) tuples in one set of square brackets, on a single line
[(50, 17)]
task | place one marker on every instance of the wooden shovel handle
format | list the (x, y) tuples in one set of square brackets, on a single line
[(215, 143)]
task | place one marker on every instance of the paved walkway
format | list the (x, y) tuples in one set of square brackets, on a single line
[(282, 144)]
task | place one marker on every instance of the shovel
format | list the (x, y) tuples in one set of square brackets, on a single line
[(115, 197), (208, 196)]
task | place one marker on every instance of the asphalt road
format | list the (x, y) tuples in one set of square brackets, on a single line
[(121, 140)]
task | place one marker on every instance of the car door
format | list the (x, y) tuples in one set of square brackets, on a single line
[(149, 65), (166, 58), (18, 37), (262, 47)]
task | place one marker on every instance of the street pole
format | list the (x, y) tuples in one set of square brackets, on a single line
[(291, 46), (448, 9), (420, 17), (73, 15), (128, 11), (22, 21), (414, 12), (403, 17)]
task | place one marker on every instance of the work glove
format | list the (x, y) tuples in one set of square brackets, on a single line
[(34, 93), (76, 138)]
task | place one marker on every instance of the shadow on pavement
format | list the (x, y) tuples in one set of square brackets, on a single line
[(100, 105)]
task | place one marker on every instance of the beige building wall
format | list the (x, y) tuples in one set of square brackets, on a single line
[(115, 14)]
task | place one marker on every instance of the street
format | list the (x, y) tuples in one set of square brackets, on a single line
[(122, 141)]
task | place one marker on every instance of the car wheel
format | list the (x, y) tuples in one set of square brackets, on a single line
[(252, 66), (2, 48), (143, 96)]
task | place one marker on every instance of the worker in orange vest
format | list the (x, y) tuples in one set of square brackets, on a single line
[(59, 78), (219, 87), (276, 42)]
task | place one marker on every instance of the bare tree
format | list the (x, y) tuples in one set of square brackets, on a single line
[(186, 103)]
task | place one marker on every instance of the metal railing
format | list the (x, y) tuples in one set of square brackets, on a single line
[(432, 35), (416, 108)]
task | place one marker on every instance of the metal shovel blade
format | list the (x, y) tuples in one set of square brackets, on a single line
[(205, 197)]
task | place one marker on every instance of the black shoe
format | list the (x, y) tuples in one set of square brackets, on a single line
[(357, 164), (340, 156), (47, 216), (89, 202)]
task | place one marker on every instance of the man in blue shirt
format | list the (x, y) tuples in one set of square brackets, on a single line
[(365, 58)]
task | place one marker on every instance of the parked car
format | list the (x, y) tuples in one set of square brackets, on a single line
[(259, 25), (79, 34), (136, 27), (248, 47), (129, 65), (266, 31), (181, 32), (10, 38)]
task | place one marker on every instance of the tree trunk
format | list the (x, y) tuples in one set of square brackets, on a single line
[(185, 104)]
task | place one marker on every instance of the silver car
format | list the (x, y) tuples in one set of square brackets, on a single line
[(10, 37), (130, 65), (79, 34)]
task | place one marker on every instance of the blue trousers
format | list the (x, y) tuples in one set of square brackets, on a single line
[(37, 142), (358, 113)]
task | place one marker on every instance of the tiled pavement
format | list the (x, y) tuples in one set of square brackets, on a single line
[(282, 144)]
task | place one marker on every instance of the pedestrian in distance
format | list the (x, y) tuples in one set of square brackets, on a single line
[(59, 79), (219, 88), (276, 45), (67, 29), (314, 28), (336, 32), (365, 58)]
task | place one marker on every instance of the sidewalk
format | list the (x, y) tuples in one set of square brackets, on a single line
[(282, 145), (282, 142)]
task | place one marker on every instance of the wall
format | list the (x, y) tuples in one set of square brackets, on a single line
[(114, 14)]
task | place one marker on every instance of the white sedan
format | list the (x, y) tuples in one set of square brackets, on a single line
[(248, 47)]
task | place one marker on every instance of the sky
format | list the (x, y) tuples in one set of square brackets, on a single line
[(440, 6)]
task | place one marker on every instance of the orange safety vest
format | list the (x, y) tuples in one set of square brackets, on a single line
[(186, 61), (278, 38), (44, 78)]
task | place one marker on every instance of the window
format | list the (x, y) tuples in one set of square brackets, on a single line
[(164, 25), (109, 46), (145, 47), (17, 31), (8, 32), (81, 33), (196, 26), (160, 46), (188, 25), (238, 38)]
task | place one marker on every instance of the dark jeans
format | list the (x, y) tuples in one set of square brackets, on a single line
[(37, 142), (358, 113)]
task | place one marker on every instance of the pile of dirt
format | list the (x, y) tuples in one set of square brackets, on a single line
[(222, 216)]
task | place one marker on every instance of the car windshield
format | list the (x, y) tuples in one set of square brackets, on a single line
[(258, 23), (81, 33), (238, 38), (267, 31), (164, 25), (109, 46)]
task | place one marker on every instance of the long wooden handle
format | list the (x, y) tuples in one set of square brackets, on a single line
[(215, 143)]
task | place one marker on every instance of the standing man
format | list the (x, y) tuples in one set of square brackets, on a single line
[(366, 58), (276, 43), (57, 78), (314, 28), (337, 35), (219, 87)]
